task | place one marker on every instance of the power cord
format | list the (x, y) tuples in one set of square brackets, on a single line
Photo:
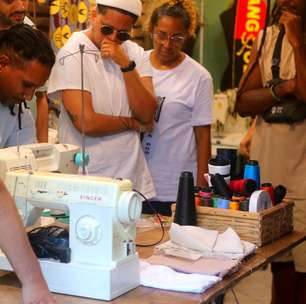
[(159, 220)]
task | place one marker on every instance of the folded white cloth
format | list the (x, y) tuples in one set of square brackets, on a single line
[(229, 242), (193, 237), (194, 242), (163, 277), (207, 266)]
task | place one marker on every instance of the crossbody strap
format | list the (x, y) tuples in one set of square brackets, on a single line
[(277, 54)]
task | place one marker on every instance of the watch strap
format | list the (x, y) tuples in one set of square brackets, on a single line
[(129, 68)]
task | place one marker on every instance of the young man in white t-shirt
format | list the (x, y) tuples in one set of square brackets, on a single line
[(118, 93)]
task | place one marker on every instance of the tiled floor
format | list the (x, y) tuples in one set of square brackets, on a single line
[(255, 289)]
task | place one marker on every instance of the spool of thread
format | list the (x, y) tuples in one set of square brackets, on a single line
[(223, 203), (238, 197), (220, 186), (197, 200), (259, 200), (234, 205), (244, 186), (252, 171), (185, 213), (205, 196), (244, 205), (207, 202), (269, 188), (205, 193), (279, 194), (215, 201)]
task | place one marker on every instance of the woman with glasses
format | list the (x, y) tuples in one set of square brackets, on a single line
[(180, 140), (118, 93)]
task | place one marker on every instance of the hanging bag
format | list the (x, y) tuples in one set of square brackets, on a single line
[(289, 109)]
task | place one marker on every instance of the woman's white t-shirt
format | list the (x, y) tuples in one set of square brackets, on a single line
[(185, 95)]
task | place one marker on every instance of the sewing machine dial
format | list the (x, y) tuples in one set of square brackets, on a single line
[(88, 230), (129, 207)]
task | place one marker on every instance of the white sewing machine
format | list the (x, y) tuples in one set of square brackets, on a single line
[(39, 157), (103, 213)]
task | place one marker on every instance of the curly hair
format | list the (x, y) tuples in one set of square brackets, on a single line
[(184, 9)]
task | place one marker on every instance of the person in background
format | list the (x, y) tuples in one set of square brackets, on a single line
[(13, 12), (180, 139), (280, 147), (26, 58), (118, 93)]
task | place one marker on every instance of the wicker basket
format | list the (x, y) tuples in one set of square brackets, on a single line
[(259, 228)]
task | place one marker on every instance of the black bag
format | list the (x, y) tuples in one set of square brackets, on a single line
[(289, 110)]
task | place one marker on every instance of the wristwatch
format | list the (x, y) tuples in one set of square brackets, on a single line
[(129, 68)]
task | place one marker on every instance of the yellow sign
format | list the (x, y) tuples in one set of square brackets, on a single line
[(73, 14), (57, 37), (82, 12), (54, 7), (66, 33), (65, 8)]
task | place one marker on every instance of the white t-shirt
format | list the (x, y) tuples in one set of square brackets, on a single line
[(9, 127), (119, 155), (185, 96)]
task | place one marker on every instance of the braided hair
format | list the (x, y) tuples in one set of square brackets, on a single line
[(22, 43)]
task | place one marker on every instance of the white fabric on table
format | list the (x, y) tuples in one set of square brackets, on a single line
[(189, 240), (163, 277)]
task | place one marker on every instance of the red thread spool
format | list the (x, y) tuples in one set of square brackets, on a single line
[(245, 186), (269, 188)]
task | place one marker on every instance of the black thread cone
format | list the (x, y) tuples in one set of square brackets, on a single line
[(185, 213), (279, 193), (220, 186)]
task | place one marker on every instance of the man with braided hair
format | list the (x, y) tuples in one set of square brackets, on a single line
[(180, 140), (26, 58), (11, 13)]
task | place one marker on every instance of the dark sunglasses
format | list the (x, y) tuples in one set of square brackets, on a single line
[(121, 35)]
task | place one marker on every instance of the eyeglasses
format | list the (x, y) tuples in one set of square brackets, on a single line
[(176, 39), (120, 34)]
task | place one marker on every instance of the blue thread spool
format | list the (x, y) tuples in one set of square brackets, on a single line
[(78, 159), (223, 203), (252, 171)]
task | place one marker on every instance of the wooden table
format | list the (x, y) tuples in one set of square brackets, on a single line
[(10, 288)]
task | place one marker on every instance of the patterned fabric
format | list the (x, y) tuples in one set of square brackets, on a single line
[(66, 17)]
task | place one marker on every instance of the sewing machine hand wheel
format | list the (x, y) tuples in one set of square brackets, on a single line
[(129, 207)]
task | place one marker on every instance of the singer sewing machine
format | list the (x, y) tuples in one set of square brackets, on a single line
[(102, 230), (39, 157)]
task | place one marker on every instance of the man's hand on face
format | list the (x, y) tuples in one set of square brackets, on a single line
[(294, 28), (112, 50)]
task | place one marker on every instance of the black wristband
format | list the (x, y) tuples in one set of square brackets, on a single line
[(129, 68)]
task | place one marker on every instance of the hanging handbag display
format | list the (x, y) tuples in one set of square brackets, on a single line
[(289, 109)]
